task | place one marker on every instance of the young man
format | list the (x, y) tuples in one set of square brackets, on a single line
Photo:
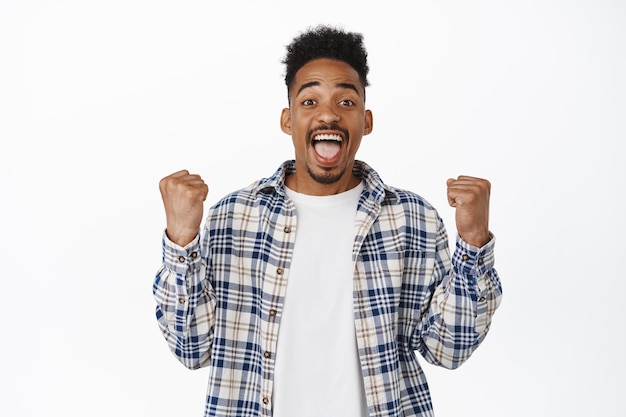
[(308, 292)]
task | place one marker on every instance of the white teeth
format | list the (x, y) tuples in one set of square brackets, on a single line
[(336, 138)]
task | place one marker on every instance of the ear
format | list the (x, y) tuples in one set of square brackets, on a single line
[(285, 121), (369, 122)]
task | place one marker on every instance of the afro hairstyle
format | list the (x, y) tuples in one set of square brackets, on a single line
[(330, 43)]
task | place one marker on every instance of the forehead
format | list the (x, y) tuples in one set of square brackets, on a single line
[(326, 72)]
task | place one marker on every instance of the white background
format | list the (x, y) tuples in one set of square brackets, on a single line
[(100, 99)]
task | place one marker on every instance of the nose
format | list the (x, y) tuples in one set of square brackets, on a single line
[(328, 113)]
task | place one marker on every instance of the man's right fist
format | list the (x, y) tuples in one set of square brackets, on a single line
[(183, 196)]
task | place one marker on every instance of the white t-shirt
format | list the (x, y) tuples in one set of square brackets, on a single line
[(317, 370)]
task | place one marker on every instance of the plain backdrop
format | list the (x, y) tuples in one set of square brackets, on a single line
[(101, 99)]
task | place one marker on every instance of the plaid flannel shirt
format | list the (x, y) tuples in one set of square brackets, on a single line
[(220, 298)]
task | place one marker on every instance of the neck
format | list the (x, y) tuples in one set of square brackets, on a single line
[(311, 187)]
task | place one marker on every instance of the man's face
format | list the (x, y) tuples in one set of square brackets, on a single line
[(326, 120)]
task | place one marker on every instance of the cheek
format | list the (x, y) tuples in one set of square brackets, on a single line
[(300, 127)]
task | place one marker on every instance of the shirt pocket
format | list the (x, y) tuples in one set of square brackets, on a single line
[(378, 281)]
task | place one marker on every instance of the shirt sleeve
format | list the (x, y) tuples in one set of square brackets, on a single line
[(185, 300), (463, 303)]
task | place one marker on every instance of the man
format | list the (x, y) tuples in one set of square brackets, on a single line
[(308, 292)]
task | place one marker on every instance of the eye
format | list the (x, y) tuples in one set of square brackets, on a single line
[(308, 102), (346, 102)]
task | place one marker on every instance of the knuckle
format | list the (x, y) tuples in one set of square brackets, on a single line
[(164, 184)]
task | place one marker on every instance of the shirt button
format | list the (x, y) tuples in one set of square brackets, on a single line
[(481, 299), (194, 255), (266, 400), (267, 355), (181, 259), (181, 300), (466, 257), (287, 229), (480, 261), (279, 271), (273, 313)]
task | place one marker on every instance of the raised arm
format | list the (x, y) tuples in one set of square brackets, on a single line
[(468, 289), (185, 299)]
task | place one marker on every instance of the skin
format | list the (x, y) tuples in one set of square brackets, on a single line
[(183, 196), (470, 197), (326, 97)]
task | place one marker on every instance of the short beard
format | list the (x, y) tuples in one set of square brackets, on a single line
[(325, 178)]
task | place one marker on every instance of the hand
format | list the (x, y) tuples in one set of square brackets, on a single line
[(470, 197), (183, 196)]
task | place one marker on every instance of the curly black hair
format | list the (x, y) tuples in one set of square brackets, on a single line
[(326, 42)]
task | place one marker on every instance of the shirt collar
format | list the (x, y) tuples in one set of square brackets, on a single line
[(374, 186)]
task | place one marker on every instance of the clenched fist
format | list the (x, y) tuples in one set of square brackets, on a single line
[(183, 196), (470, 197)]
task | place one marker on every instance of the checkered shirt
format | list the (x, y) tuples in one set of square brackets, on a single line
[(220, 298)]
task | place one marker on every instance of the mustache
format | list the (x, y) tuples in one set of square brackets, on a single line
[(332, 126)]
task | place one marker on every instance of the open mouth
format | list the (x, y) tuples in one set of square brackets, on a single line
[(327, 145)]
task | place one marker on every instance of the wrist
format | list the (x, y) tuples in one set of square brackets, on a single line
[(181, 237), (478, 239)]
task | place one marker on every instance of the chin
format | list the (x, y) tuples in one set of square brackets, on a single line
[(327, 178)]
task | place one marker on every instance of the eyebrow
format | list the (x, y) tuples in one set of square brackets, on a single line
[(310, 84)]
